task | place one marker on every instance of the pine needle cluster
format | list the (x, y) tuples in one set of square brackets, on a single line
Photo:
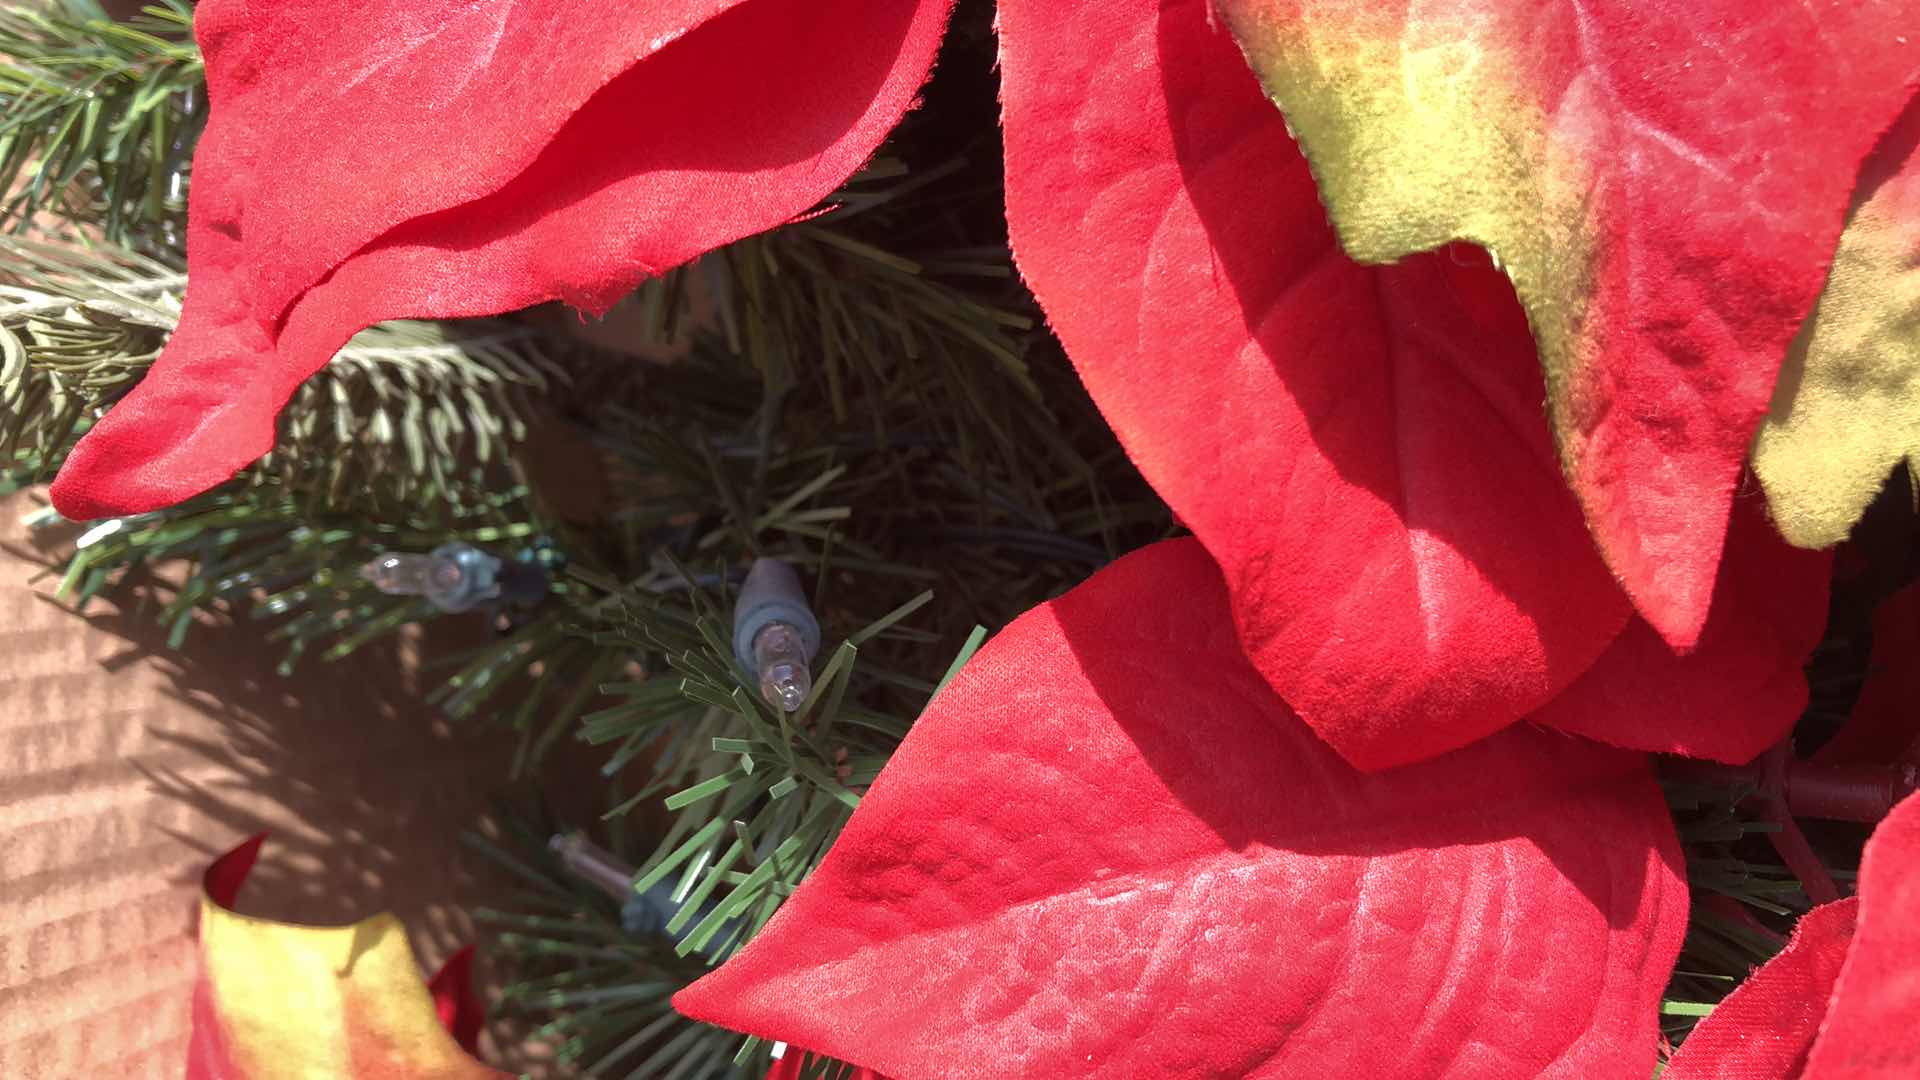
[(98, 119)]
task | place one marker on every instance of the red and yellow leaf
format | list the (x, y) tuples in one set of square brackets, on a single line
[(1664, 182), (1360, 448), (1839, 1002), (1847, 406), (1108, 849), (275, 1000), (434, 159)]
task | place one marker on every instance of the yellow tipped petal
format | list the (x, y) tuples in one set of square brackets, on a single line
[(1665, 183), (1846, 410), (285, 1002)]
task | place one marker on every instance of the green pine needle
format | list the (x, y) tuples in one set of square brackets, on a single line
[(408, 415), (98, 118)]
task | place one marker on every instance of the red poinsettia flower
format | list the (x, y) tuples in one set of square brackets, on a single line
[(1362, 449), (330, 1003), (1839, 1002), (1108, 848), (436, 160), (1664, 183)]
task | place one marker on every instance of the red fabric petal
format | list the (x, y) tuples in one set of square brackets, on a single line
[(790, 1067), (1885, 723), (1666, 182), (1766, 1027), (1362, 449), (207, 1054), (1108, 849), (1870, 1032), (1745, 685), (438, 160), (226, 874), (459, 1007)]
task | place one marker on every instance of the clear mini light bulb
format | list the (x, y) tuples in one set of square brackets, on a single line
[(414, 575), (454, 577), (775, 635), (780, 659)]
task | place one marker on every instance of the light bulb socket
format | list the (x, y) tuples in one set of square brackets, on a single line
[(479, 577), (593, 864), (771, 593)]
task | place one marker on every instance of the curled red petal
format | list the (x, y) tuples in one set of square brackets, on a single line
[(1362, 449), (1742, 688), (433, 160), (456, 1002), (1108, 849), (1766, 1027)]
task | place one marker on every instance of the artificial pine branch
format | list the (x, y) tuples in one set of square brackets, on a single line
[(98, 118), (599, 996), (414, 414), (77, 327), (260, 547), (758, 796), (409, 416)]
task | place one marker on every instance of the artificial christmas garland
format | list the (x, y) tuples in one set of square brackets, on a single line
[(1358, 777)]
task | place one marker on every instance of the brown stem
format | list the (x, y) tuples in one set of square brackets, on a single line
[(1790, 842), (1863, 793)]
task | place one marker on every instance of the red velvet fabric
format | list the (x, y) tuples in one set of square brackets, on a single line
[(1742, 688), (1870, 1032), (1362, 449), (1766, 1027)]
